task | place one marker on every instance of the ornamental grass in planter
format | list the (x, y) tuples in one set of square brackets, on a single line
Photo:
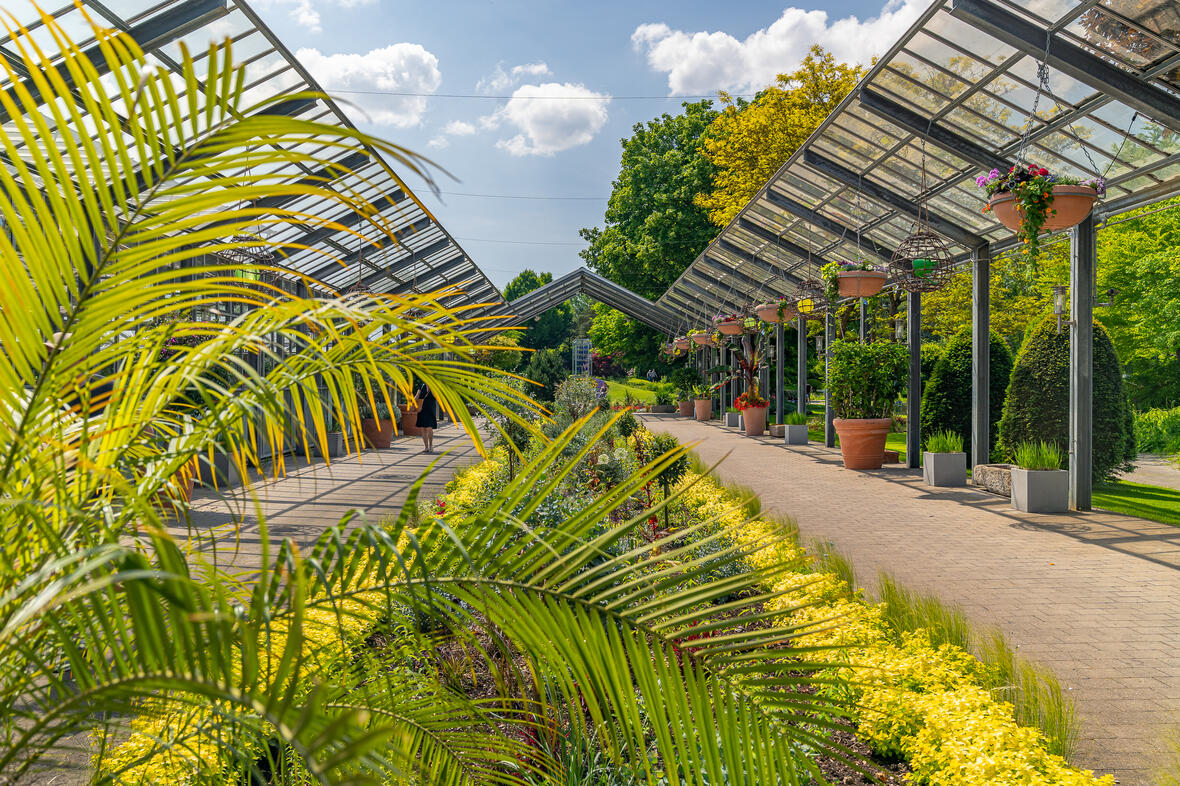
[(944, 463), (1039, 484), (702, 403), (864, 381), (795, 429)]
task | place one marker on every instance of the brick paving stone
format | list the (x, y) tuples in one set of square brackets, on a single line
[(1093, 595)]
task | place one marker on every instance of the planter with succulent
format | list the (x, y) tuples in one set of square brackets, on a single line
[(1039, 484), (851, 279), (702, 403), (1030, 200), (700, 337), (944, 463), (864, 382), (795, 430), (730, 324)]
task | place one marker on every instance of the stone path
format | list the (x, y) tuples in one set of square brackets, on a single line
[(1093, 596)]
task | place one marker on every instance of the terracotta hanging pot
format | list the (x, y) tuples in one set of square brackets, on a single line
[(862, 441), (702, 339), (734, 327), (768, 312), (682, 343), (860, 283), (1070, 205), (754, 419), (703, 409)]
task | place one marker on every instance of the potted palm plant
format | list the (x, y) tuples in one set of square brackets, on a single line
[(795, 431), (702, 403), (1039, 484), (944, 463), (864, 381)]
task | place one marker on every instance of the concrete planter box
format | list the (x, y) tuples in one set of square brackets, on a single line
[(796, 434), (335, 444), (732, 419), (996, 478), (776, 429), (663, 409), (1040, 491), (944, 469)]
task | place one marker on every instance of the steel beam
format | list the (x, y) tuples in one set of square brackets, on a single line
[(829, 415), (765, 265), (981, 357), (864, 319), (780, 242), (715, 297), (417, 255), (882, 194), (779, 351), (913, 430), (725, 270), (801, 397), (829, 225), (1016, 31), (931, 131), (1081, 364)]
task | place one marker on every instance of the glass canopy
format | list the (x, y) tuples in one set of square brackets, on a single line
[(956, 94)]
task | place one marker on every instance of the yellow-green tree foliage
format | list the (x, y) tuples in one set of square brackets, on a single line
[(748, 142)]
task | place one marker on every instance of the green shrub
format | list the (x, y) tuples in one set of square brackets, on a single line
[(946, 400), (945, 441), (864, 380), (1158, 430), (931, 354), (1037, 407), (795, 419), (547, 368), (1038, 455)]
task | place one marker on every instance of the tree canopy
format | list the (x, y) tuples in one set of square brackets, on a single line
[(748, 142)]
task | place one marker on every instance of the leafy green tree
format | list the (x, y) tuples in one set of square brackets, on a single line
[(653, 230), (1037, 405), (548, 330), (501, 351), (748, 142), (946, 400), (548, 368), (612, 332)]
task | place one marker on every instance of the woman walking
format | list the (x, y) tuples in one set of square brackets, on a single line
[(427, 416)]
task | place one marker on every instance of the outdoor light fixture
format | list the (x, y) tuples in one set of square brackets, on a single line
[(1110, 293), (1060, 293), (819, 344), (899, 331), (805, 306)]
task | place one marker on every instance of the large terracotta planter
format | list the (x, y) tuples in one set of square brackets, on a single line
[(1070, 205), (732, 328), (768, 312), (754, 419), (862, 441), (409, 419), (378, 433), (702, 339), (684, 408), (703, 408), (860, 283)]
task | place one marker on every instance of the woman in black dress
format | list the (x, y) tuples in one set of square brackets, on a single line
[(427, 417)]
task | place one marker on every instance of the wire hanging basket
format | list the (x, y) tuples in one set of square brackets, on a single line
[(811, 300), (922, 262)]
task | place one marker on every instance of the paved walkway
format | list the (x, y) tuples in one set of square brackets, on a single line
[(1155, 471), (1093, 596)]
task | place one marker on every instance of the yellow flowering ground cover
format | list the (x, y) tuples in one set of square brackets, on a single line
[(923, 703)]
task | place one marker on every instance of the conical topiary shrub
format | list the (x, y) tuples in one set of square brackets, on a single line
[(1038, 399), (946, 401)]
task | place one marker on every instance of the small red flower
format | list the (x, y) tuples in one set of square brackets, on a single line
[(1042, 171)]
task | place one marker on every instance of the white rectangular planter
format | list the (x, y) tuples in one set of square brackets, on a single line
[(944, 469), (796, 434), (732, 419), (1040, 491)]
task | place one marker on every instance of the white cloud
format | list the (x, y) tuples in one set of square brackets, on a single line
[(439, 142), (306, 13), (567, 116), (459, 128), (500, 80), (704, 62), (397, 68)]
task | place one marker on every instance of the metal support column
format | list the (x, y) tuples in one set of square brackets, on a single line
[(864, 319), (801, 366), (981, 345), (829, 429), (1081, 364), (779, 394), (913, 435)]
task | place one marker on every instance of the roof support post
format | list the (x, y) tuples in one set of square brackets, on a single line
[(913, 431), (801, 397), (1081, 364), (981, 357), (829, 428), (779, 398)]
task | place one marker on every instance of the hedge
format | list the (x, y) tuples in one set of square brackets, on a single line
[(1037, 407), (946, 401)]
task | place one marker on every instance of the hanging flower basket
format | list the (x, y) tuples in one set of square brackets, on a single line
[(730, 324), (860, 283), (779, 311), (810, 299), (1070, 204), (700, 337), (682, 343), (1029, 200)]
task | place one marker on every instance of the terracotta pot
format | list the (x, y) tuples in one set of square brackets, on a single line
[(378, 433), (1070, 205), (768, 312), (409, 418), (701, 339), (179, 488), (682, 343), (754, 419), (860, 283), (703, 408), (733, 328), (684, 408), (862, 441)]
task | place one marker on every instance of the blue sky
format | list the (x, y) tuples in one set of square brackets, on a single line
[(599, 67)]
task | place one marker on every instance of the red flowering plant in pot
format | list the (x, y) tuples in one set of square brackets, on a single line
[(750, 403), (1030, 200)]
